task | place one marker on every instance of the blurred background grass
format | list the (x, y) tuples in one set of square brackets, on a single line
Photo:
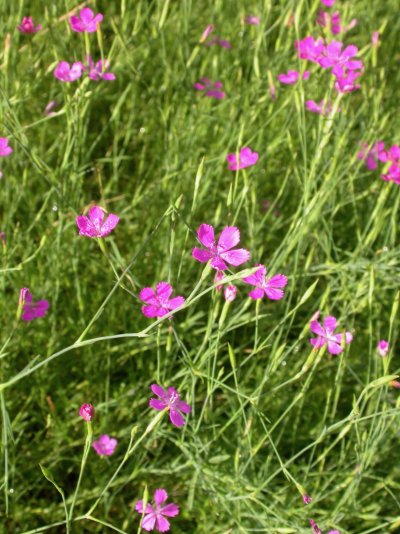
[(151, 149)]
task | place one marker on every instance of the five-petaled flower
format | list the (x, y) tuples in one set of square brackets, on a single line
[(245, 158), (383, 348), (5, 149), (32, 310), (86, 22), (66, 73), (326, 335), (98, 70), (105, 446), (94, 225), (158, 302), (27, 26), (154, 514), (269, 287), (169, 400), (220, 253)]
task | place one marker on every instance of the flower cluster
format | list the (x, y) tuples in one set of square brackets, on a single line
[(377, 154)]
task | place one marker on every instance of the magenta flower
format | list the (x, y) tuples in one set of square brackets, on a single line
[(98, 71), (209, 29), (33, 310), (94, 225), (245, 158), (65, 73), (105, 446), (169, 400), (346, 83), (323, 108), (219, 275), (372, 155), (315, 528), (252, 20), (230, 293), (326, 335), (212, 89), (292, 77), (328, 3), (86, 22), (383, 348), (86, 411), (269, 287), (307, 499), (221, 253), (159, 302), (27, 26), (310, 49), (393, 174), (5, 150), (339, 60), (154, 515), (333, 21)]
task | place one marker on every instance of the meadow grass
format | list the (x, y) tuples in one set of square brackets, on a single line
[(271, 419)]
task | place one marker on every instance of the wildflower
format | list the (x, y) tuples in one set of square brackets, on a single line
[(327, 336), (105, 446), (325, 19), (86, 22), (315, 528), (328, 3), (48, 110), (310, 49), (93, 226), (213, 89), (65, 73), (154, 515), (5, 150), (307, 499), (32, 310), (158, 302), (23, 292), (376, 153), (252, 20), (209, 29), (245, 158), (323, 108), (292, 76), (169, 400), (269, 287), (220, 253), (98, 71), (86, 411), (346, 83), (393, 174), (219, 275), (230, 293), (339, 60), (27, 26)]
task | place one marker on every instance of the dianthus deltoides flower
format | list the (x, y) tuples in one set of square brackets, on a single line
[(27, 26), (5, 149), (154, 514), (220, 253), (268, 287), (94, 225), (86, 22), (105, 446), (170, 400), (245, 158), (66, 73), (33, 310), (100, 70), (158, 302), (326, 335)]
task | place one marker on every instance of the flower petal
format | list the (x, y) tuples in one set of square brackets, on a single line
[(279, 280), (316, 328), (174, 303), (148, 295), (274, 294), (139, 507), (164, 291), (162, 524), (229, 238), (257, 278), (85, 226), (205, 233), (159, 391), (201, 255), (171, 510), (96, 215), (151, 311), (148, 522), (160, 496), (111, 222), (334, 348), (157, 404), (182, 406), (176, 418), (219, 264), (330, 324), (257, 293), (236, 257)]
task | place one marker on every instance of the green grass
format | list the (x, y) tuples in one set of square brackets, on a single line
[(269, 415)]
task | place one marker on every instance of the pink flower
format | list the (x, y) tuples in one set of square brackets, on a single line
[(371, 155), (393, 174), (253, 20), (154, 515), (169, 401), (292, 76), (33, 310), (86, 22), (346, 82), (5, 150), (105, 446), (328, 3), (93, 226), (65, 73), (327, 336), (323, 108), (383, 348), (219, 275), (158, 302), (23, 292), (221, 253), (230, 293), (315, 528), (209, 29), (310, 49), (245, 158), (212, 88), (307, 499), (269, 287), (86, 411), (27, 26), (339, 60), (99, 70), (324, 19)]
